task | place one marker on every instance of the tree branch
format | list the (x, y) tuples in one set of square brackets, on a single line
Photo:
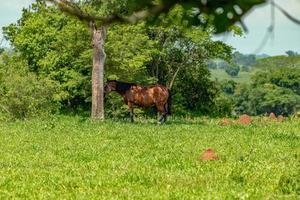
[(72, 9), (173, 79)]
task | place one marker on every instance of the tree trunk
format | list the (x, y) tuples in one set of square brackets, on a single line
[(98, 39)]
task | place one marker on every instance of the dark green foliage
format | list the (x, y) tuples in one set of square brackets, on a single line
[(232, 70), (154, 55), (275, 87), (223, 105), (276, 91), (129, 49), (291, 53), (290, 183), (219, 13), (186, 52), (228, 86), (287, 78), (22, 93), (55, 47), (198, 94), (265, 99), (116, 108)]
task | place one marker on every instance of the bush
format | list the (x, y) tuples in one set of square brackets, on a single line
[(287, 77), (223, 106), (232, 70), (22, 94), (228, 86), (115, 106)]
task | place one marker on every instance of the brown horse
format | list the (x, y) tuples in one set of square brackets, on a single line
[(136, 95)]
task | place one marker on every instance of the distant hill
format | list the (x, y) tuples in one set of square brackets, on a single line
[(277, 61), (262, 64)]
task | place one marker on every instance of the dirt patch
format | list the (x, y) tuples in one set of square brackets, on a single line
[(225, 122), (208, 154), (244, 120)]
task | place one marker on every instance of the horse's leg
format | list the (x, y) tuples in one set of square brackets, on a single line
[(130, 105), (163, 113), (166, 112)]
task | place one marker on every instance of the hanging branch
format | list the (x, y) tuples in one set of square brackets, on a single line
[(297, 21), (269, 31)]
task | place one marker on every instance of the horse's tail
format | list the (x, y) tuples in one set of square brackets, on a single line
[(169, 103)]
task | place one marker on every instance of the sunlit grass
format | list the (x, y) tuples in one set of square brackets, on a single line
[(242, 77), (70, 157)]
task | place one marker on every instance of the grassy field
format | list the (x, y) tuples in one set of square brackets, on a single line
[(220, 75), (72, 158)]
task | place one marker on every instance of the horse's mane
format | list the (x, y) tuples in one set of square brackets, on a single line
[(123, 86)]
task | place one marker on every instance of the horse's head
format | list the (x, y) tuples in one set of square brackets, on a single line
[(111, 85)]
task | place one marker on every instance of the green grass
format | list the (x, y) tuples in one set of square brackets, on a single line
[(72, 158), (242, 77)]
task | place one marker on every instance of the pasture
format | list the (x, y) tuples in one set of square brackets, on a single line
[(73, 158), (221, 75)]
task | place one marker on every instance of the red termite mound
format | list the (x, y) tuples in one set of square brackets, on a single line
[(244, 120), (209, 154), (225, 122)]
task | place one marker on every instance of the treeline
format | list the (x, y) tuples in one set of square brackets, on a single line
[(274, 87)]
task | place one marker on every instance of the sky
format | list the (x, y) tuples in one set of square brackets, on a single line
[(286, 33)]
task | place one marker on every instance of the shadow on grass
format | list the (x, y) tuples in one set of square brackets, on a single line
[(154, 121)]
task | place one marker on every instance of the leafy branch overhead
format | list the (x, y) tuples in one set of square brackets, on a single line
[(221, 13)]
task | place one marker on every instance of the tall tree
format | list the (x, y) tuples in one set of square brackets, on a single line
[(98, 40)]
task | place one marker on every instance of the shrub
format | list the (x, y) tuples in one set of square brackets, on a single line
[(228, 86), (232, 70), (22, 94), (223, 106), (115, 106)]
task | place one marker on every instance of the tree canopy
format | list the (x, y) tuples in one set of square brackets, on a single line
[(221, 14)]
